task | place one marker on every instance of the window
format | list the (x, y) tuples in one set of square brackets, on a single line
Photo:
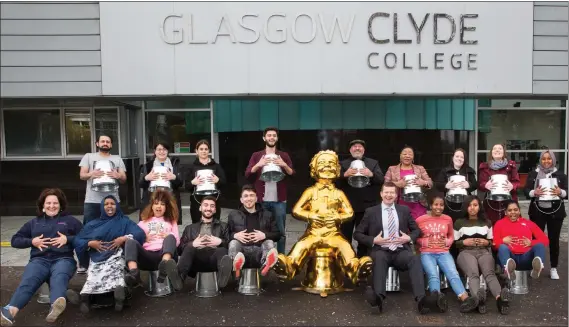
[(521, 129), (133, 131), (521, 103), (32, 132), (526, 162), (107, 122), (78, 131), (180, 129), (178, 103)]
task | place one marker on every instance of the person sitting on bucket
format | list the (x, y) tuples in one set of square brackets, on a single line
[(253, 230)]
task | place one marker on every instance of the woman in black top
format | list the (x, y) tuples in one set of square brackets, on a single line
[(203, 161), (443, 184), (147, 175), (550, 213)]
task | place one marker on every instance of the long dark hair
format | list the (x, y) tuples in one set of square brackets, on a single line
[(481, 214)]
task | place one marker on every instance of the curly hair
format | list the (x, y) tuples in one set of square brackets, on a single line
[(170, 215), (51, 191), (314, 161)]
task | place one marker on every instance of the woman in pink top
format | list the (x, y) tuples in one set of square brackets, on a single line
[(397, 173), (437, 235), (159, 220)]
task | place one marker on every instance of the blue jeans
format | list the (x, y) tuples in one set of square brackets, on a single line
[(56, 272), (523, 261), (279, 212), (446, 264)]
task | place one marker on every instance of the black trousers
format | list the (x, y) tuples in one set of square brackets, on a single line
[(554, 226), (348, 232), (149, 260), (401, 260), (200, 260)]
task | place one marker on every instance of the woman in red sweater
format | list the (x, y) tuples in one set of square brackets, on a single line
[(497, 164), (520, 243), (437, 235)]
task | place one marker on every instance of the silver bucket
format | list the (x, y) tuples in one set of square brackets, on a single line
[(358, 180), (206, 284), (271, 172), (160, 184), (520, 285), (250, 282), (43, 294), (456, 195), (411, 192), (207, 188), (392, 281), (104, 183), (156, 289), (499, 193)]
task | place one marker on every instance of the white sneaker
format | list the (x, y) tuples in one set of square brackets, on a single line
[(537, 266), (510, 269), (81, 271), (553, 273)]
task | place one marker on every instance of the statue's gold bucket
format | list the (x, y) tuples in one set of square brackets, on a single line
[(323, 274)]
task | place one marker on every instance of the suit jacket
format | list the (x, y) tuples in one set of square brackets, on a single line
[(372, 224)]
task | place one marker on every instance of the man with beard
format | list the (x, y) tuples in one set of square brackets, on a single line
[(203, 246), (92, 205), (360, 198), (272, 195), (253, 231)]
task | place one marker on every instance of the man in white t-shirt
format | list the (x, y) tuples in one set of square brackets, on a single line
[(92, 205)]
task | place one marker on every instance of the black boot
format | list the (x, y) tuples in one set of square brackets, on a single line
[(482, 301), (373, 299), (85, 304), (132, 278), (440, 301), (120, 296), (469, 304), (503, 302), (422, 305)]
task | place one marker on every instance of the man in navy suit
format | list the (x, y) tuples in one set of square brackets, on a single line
[(389, 231)]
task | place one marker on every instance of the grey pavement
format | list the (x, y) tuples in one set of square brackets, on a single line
[(294, 229)]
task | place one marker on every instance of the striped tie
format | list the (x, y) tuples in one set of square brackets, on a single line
[(391, 227)]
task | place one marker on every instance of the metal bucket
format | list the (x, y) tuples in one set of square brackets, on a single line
[(160, 184), (207, 188), (500, 193), (43, 294), (358, 180), (271, 172), (206, 284), (104, 183), (156, 289), (456, 195), (519, 285), (392, 281), (250, 282), (549, 184), (411, 192)]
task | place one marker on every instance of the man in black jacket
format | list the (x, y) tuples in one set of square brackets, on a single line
[(360, 198), (203, 246), (253, 231)]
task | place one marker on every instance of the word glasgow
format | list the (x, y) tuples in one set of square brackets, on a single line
[(275, 30)]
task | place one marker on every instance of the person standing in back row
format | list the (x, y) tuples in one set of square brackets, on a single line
[(363, 197), (93, 199), (272, 195)]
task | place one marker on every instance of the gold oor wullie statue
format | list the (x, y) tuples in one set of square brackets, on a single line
[(330, 257)]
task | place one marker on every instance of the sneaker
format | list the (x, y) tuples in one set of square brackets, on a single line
[(56, 309), (119, 295), (553, 273), (482, 301), (238, 263), (224, 271), (270, 261), (503, 301), (441, 301), (469, 304), (132, 278), (510, 269), (537, 265), (73, 297), (7, 318), (169, 268), (81, 271)]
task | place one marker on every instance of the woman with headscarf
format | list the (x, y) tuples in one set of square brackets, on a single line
[(103, 239), (548, 213), (497, 164), (148, 174)]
